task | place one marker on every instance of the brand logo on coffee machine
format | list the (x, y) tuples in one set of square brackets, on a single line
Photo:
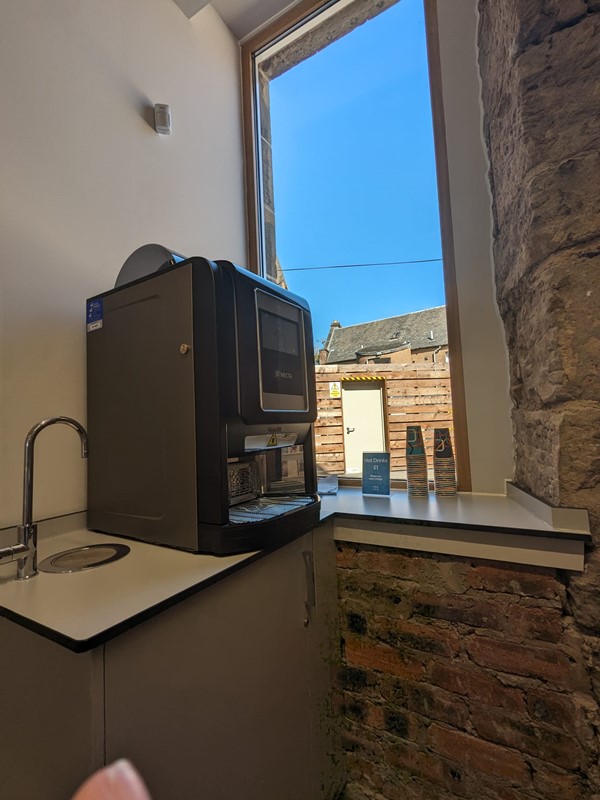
[(287, 375)]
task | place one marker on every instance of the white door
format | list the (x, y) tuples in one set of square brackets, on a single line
[(364, 430)]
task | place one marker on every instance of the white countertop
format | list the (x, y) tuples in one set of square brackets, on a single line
[(82, 609), (515, 528), (514, 512), (77, 608)]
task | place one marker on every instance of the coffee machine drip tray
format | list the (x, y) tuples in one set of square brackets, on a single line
[(264, 508)]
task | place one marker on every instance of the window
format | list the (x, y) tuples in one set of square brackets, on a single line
[(289, 42)]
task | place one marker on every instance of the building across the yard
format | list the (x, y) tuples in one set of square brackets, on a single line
[(418, 337), (374, 379)]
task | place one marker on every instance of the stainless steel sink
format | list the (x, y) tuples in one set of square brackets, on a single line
[(80, 558)]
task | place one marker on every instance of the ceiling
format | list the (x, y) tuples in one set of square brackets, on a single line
[(242, 17)]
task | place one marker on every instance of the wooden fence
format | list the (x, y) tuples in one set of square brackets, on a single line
[(414, 394)]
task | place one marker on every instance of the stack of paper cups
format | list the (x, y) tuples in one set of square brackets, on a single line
[(417, 480), (444, 468)]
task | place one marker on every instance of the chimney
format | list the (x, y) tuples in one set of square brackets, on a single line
[(324, 352)]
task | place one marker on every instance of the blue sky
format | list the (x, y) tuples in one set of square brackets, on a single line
[(354, 173)]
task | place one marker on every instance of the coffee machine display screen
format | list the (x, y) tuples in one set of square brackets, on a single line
[(282, 359), (279, 334)]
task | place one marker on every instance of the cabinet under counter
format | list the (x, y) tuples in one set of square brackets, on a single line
[(229, 693)]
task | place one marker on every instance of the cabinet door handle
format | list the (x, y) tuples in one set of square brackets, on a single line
[(309, 565)]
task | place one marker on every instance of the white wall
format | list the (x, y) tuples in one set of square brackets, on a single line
[(85, 180), (484, 351)]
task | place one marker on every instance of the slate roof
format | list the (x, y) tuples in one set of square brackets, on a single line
[(418, 330)]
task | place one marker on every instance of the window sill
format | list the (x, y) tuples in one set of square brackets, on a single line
[(514, 527)]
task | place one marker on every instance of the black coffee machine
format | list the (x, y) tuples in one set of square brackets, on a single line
[(201, 399)]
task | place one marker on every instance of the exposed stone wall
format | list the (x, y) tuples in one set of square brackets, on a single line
[(540, 70), (462, 679), (329, 30)]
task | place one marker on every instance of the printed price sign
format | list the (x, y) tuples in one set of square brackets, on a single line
[(376, 474)]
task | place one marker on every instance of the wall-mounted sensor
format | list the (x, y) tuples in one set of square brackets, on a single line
[(162, 118)]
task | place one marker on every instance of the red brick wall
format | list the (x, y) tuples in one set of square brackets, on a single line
[(462, 679)]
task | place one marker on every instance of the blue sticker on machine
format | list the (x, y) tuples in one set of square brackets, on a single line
[(94, 314)]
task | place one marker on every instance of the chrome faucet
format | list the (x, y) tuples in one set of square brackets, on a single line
[(26, 548)]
